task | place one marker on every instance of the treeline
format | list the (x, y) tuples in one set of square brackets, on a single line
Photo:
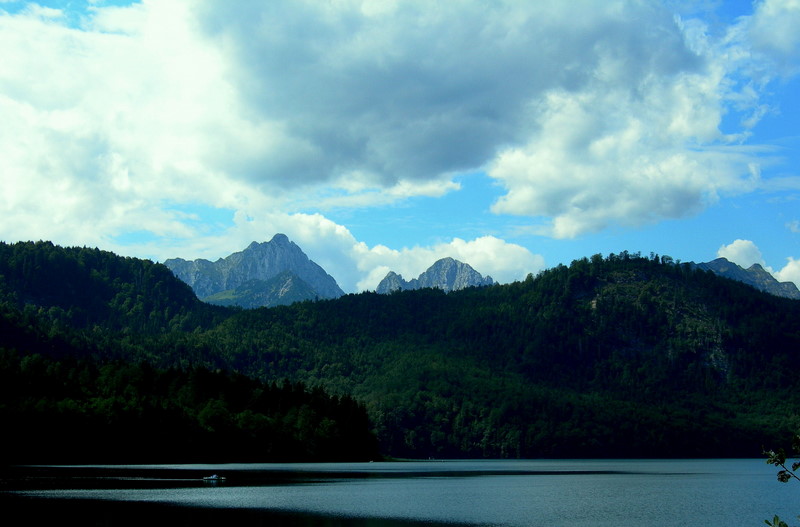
[(624, 355), (82, 411), (82, 287)]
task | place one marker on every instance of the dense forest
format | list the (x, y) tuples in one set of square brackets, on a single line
[(617, 356)]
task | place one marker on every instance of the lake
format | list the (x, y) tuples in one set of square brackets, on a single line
[(549, 493)]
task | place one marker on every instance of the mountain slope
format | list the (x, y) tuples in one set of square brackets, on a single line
[(446, 274), (280, 290), (259, 261), (83, 287)]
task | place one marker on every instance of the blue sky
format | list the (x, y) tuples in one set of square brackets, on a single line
[(382, 135)]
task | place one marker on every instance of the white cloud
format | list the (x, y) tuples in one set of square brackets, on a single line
[(773, 31), (588, 170), (354, 192), (639, 143), (790, 272), (744, 253), (103, 126), (604, 114)]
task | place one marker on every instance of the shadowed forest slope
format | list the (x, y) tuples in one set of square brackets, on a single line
[(624, 355)]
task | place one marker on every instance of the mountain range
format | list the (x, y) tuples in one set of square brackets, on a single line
[(272, 273), (755, 276), (278, 272)]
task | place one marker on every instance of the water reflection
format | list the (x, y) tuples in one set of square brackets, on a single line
[(514, 493)]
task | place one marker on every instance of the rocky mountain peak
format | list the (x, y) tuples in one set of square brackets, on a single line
[(391, 282), (447, 274), (259, 261), (280, 239)]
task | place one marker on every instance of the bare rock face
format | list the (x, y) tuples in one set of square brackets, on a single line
[(446, 274), (280, 290), (259, 261)]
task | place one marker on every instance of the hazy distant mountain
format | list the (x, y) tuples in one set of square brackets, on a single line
[(446, 274), (264, 274), (754, 276)]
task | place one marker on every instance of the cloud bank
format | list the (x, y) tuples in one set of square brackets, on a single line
[(588, 116)]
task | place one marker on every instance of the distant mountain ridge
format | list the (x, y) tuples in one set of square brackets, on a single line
[(264, 274), (279, 273), (446, 274), (754, 276)]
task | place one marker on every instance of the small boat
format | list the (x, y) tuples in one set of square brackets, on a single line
[(214, 477)]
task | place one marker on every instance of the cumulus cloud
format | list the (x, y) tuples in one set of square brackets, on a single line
[(641, 141), (105, 124), (744, 253), (559, 108), (773, 32), (287, 94), (603, 114), (790, 272)]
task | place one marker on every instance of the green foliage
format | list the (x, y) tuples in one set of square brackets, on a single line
[(776, 522), (786, 474), (778, 459), (81, 411), (609, 357), (83, 288)]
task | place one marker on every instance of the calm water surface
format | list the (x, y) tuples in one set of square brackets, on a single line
[(499, 493)]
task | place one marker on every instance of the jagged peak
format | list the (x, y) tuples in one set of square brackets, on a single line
[(446, 273), (261, 261), (278, 240), (755, 276)]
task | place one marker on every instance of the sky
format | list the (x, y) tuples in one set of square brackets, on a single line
[(384, 135)]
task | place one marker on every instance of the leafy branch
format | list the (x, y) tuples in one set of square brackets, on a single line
[(786, 474), (778, 459)]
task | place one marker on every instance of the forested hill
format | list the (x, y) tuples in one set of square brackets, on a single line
[(83, 287), (85, 376), (624, 355)]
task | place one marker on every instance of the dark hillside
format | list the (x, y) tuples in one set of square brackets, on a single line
[(82, 287), (615, 356), (624, 356)]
